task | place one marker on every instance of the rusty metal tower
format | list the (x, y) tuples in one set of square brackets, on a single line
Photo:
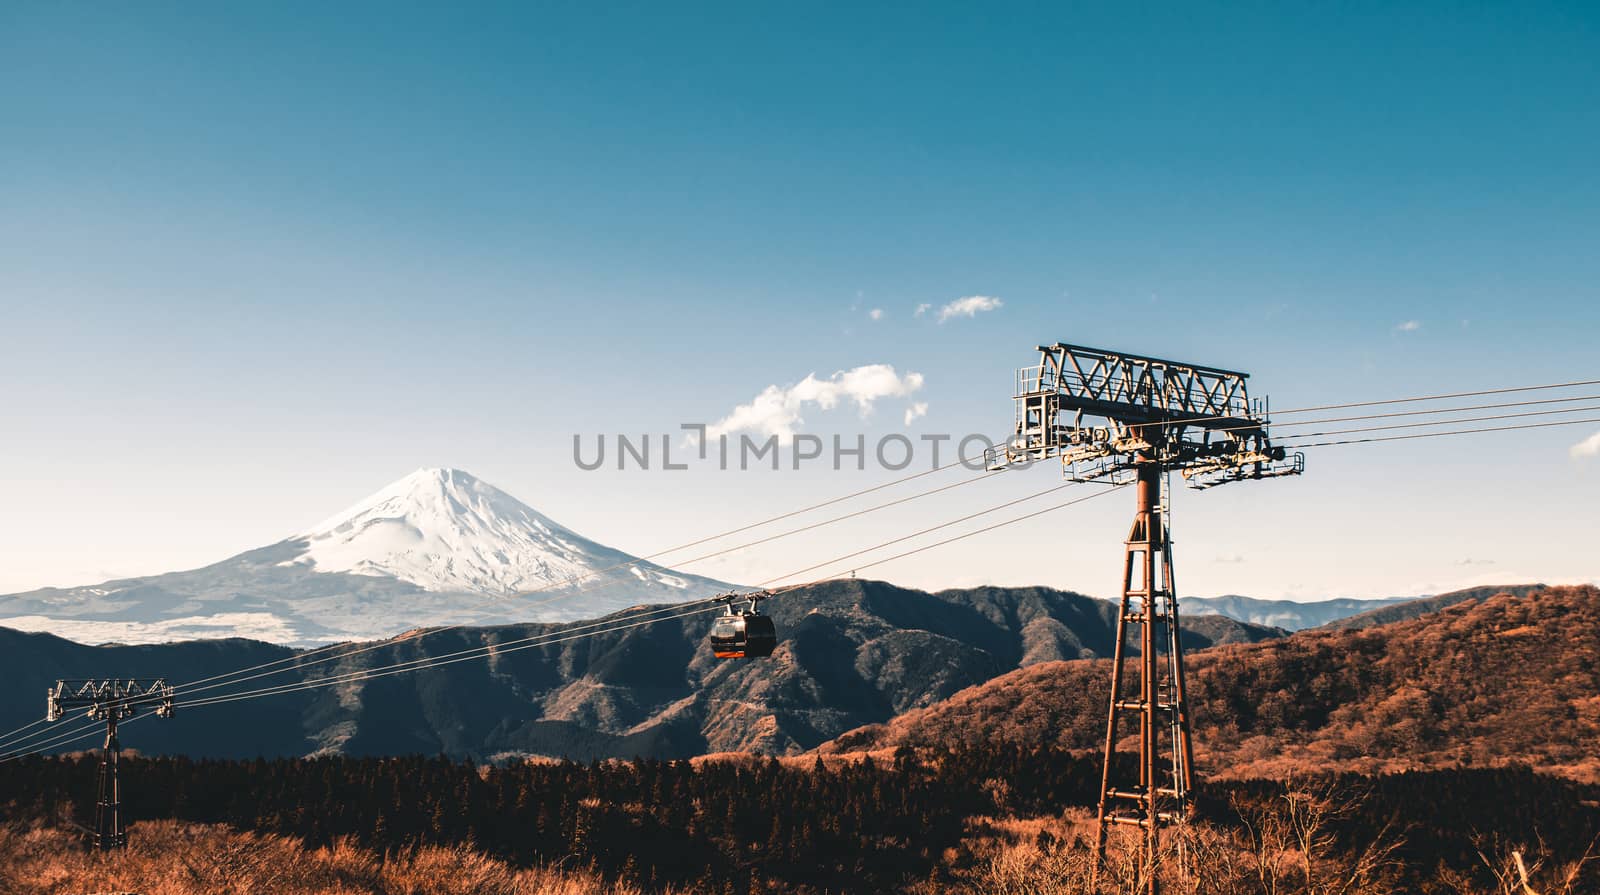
[(1125, 419), (111, 701)]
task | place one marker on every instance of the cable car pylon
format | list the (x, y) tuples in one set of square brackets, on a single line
[(1126, 419), (111, 701)]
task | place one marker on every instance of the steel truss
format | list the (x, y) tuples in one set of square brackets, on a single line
[(1129, 419)]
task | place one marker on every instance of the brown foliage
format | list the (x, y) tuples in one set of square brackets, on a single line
[(169, 858), (1285, 848), (1482, 683)]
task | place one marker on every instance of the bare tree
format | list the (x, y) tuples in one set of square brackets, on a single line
[(1515, 873), (1290, 846)]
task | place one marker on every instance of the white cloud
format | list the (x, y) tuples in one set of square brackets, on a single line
[(1589, 447), (1409, 326), (916, 410), (876, 313), (968, 307), (776, 411), (922, 309)]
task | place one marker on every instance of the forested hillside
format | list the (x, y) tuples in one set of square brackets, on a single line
[(1486, 682)]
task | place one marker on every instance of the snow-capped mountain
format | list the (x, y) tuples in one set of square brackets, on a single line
[(436, 547), (444, 530)]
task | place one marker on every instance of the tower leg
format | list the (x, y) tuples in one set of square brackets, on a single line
[(108, 832), (1118, 658), (1149, 602)]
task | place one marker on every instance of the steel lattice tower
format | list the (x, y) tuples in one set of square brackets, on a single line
[(1145, 417), (110, 701)]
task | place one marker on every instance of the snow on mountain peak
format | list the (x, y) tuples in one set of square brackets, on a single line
[(414, 554), (446, 530)]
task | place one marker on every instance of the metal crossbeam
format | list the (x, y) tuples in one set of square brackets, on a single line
[(1097, 411), (106, 695), (1132, 387)]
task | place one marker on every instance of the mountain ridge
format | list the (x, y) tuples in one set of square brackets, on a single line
[(851, 652), (1406, 610), (1291, 615)]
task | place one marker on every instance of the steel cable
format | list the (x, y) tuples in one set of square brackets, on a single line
[(605, 624)]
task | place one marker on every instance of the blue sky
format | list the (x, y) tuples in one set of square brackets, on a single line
[(257, 262)]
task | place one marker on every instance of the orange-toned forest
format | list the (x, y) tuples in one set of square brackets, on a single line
[(1487, 683)]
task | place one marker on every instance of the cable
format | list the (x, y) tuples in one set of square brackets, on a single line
[(88, 731), (583, 626), (361, 675), (877, 562), (514, 646), (575, 578), (1406, 413), (960, 461), (988, 528), (299, 658), (447, 659), (1196, 419), (499, 647), (1440, 397), (235, 679), (595, 627), (1182, 421), (987, 475), (24, 743), (91, 728), (1398, 413), (391, 641), (907, 537), (1491, 391), (569, 634), (1440, 434), (1450, 422), (932, 529), (77, 733), (468, 655), (7, 737)]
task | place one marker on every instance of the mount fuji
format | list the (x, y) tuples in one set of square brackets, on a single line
[(439, 546)]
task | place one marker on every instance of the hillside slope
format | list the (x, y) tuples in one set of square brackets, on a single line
[(1405, 610), (1488, 681), (853, 652)]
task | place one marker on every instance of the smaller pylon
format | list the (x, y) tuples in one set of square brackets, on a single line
[(111, 701)]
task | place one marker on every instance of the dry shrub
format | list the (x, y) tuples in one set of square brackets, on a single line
[(1020, 856), (1051, 868), (171, 858), (1285, 847)]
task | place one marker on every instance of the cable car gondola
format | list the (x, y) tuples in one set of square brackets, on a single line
[(743, 633)]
